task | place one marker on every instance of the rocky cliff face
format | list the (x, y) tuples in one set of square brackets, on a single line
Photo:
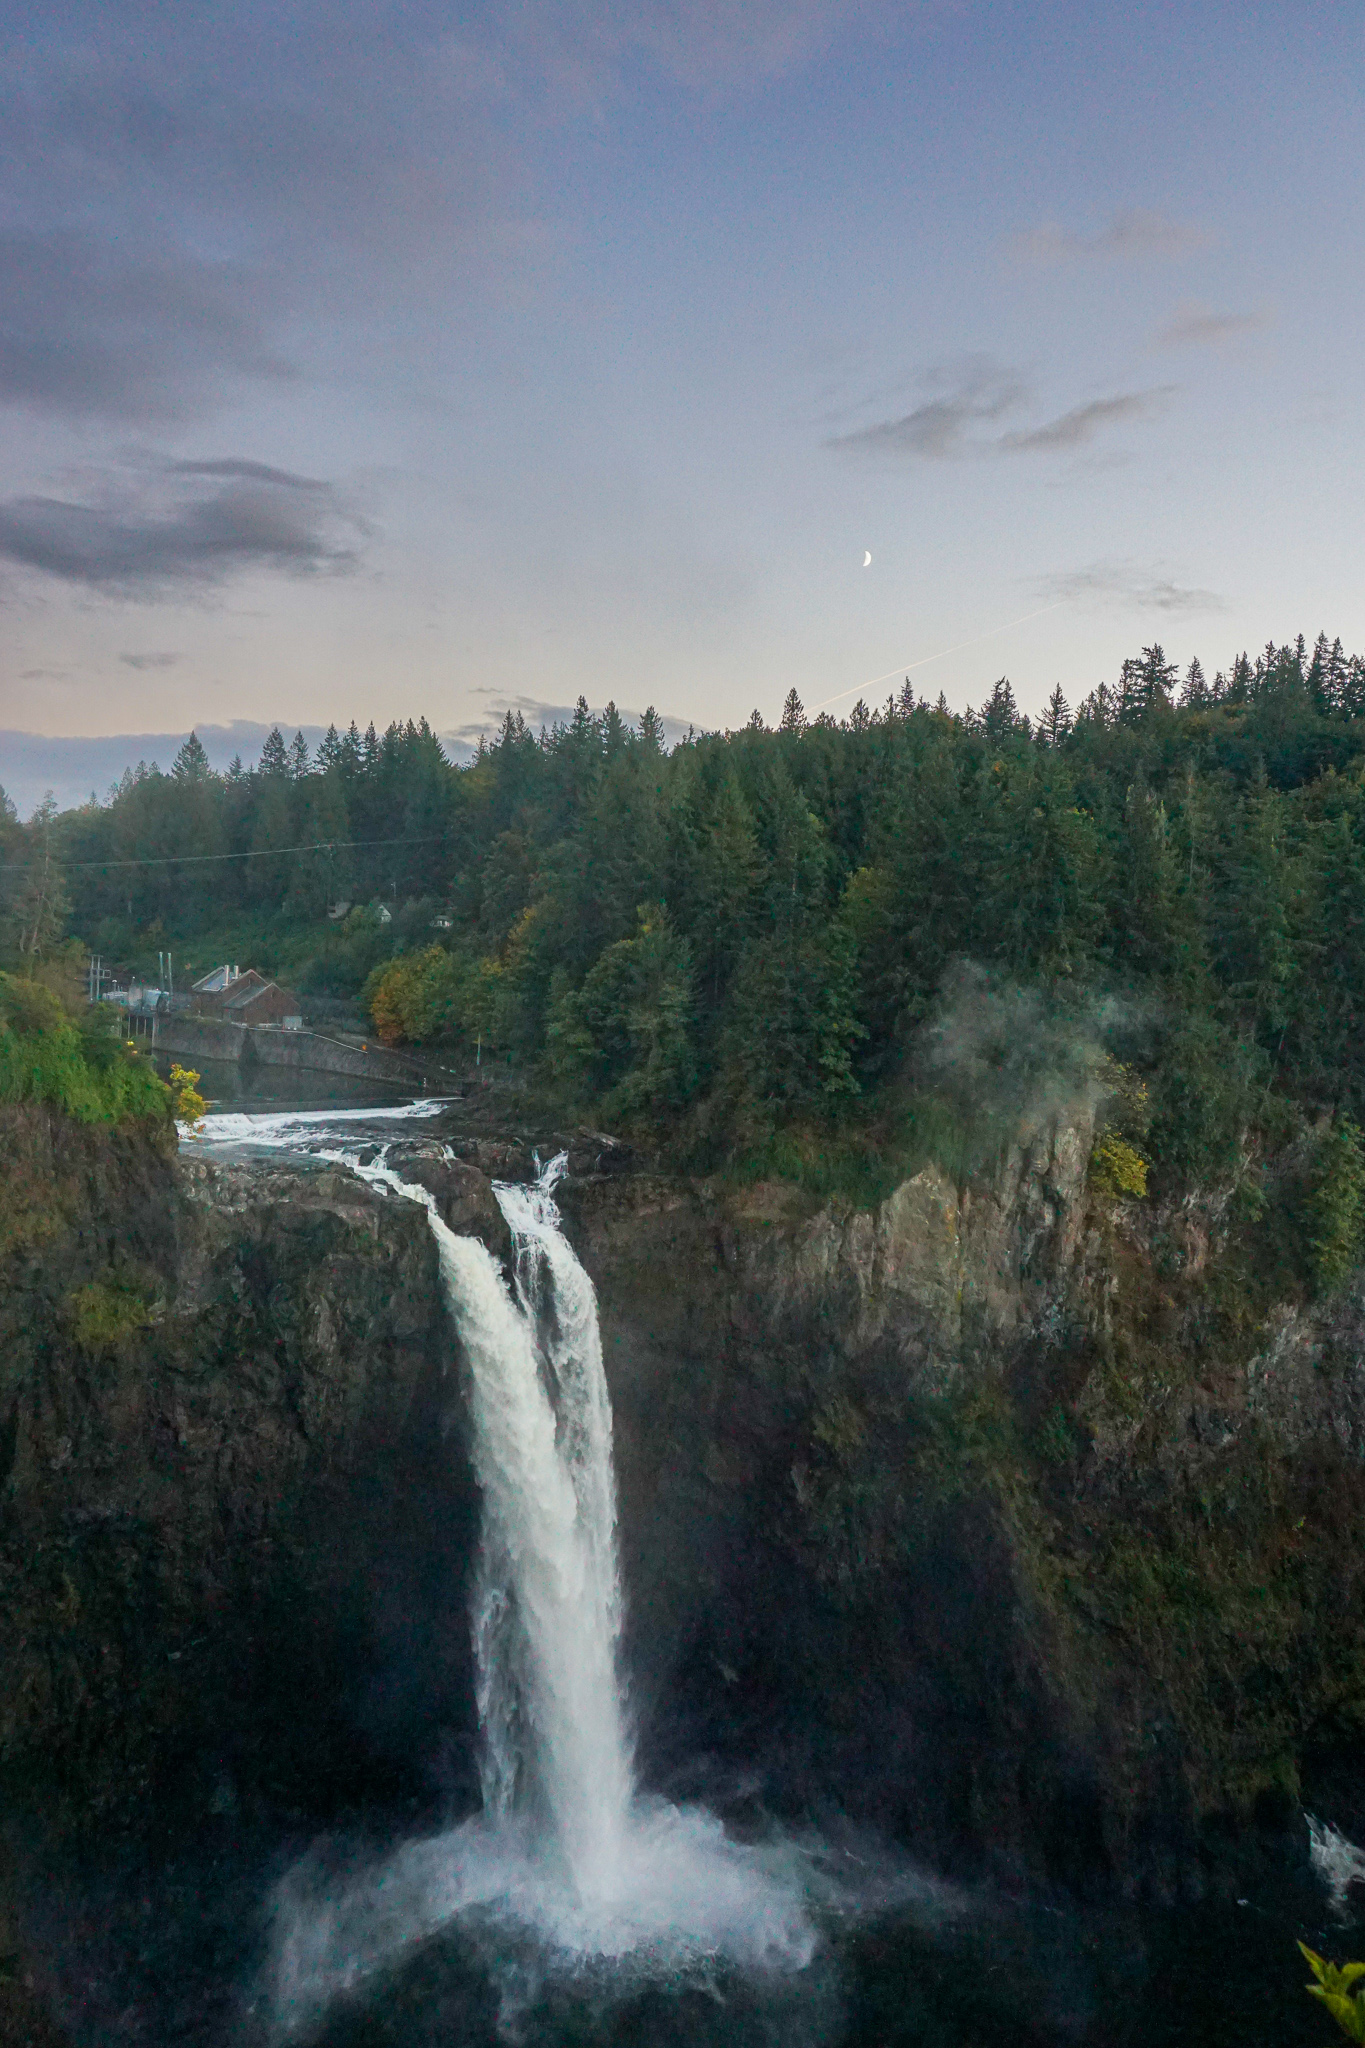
[(235, 1516), (1022, 1522)]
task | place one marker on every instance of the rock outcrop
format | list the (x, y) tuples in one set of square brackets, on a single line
[(1023, 1521), (236, 1517)]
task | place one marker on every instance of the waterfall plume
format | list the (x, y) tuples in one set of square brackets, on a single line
[(566, 1847)]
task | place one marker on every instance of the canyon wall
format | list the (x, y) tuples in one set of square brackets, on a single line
[(1019, 1521)]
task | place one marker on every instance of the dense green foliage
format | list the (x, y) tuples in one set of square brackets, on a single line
[(92, 1074), (747, 941)]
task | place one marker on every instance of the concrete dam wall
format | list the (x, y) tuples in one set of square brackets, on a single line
[(214, 1038)]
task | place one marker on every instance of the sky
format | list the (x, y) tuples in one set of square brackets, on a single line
[(375, 361)]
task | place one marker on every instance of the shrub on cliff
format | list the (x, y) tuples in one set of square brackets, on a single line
[(1337, 1205), (1337, 1988), (91, 1074)]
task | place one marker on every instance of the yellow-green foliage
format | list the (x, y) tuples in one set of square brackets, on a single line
[(44, 1058), (421, 997), (190, 1105), (1116, 1167), (1333, 1989), (105, 1315)]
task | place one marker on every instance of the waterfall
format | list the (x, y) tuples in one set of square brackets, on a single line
[(566, 1847), (547, 1606)]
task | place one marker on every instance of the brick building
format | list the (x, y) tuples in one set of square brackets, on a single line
[(246, 998)]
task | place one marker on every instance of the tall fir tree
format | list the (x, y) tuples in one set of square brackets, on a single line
[(1055, 723)]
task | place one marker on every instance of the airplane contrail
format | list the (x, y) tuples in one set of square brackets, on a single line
[(908, 668)]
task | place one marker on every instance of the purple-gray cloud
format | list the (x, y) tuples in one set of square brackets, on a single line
[(1131, 586), (1081, 424), (941, 428), (87, 329), (1137, 231), (1194, 326), (141, 540)]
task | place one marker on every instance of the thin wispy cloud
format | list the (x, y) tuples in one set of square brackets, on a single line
[(948, 426), (1129, 586), (1195, 326), (1136, 232), (977, 391), (157, 531), (1082, 423), (251, 472), (149, 661)]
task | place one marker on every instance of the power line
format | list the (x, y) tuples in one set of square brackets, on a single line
[(186, 860), (908, 668)]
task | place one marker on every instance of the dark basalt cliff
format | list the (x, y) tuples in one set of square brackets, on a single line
[(992, 1515), (1016, 1520), (235, 1512)]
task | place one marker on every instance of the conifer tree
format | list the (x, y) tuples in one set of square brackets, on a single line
[(1194, 691), (274, 759), (1335, 680), (1000, 713), (1145, 685), (582, 728), (298, 758), (793, 714), (1353, 688), (615, 736), (1055, 723), (1241, 681), (191, 764)]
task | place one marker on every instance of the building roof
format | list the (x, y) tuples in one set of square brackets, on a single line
[(221, 978), (243, 998)]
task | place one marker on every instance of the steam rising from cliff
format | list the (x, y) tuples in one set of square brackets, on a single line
[(996, 1063)]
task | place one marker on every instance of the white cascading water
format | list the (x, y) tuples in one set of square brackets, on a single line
[(547, 1610), (565, 1846), (1337, 1861)]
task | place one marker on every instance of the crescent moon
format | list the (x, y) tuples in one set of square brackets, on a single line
[(867, 558)]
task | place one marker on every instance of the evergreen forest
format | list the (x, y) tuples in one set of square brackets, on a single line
[(770, 946)]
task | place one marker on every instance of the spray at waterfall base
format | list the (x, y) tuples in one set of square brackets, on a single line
[(565, 1849)]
